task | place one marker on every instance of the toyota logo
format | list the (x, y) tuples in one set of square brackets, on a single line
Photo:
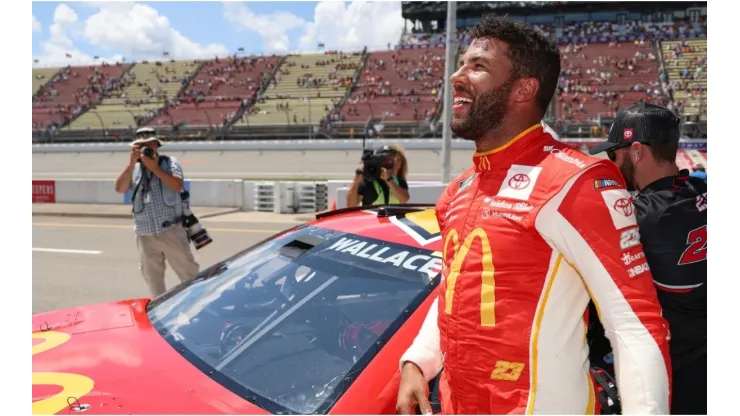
[(519, 181), (624, 206)]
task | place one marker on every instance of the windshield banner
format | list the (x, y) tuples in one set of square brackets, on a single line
[(382, 256)]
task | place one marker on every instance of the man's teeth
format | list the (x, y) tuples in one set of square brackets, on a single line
[(460, 100)]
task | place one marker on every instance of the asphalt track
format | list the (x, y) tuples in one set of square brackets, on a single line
[(274, 164), (79, 261)]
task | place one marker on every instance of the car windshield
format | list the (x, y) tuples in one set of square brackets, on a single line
[(289, 323)]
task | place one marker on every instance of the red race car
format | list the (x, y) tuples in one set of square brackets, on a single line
[(310, 321)]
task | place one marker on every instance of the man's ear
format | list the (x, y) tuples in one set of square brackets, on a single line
[(526, 90), (637, 151)]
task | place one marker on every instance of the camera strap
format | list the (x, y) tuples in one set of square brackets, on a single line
[(146, 176)]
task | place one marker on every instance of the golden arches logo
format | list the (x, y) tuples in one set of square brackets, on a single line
[(488, 281), (73, 385), (484, 163)]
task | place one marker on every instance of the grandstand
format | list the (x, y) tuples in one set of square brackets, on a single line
[(599, 79), (614, 54), (71, 91), (306, 88), (42, 76), (686, 70), (143, 91), (397, 86), (218, 93)]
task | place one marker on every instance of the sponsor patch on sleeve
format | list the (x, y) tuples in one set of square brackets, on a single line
[(605, 183), (621, 208)]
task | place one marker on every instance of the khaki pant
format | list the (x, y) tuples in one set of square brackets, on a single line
[(171, 245)]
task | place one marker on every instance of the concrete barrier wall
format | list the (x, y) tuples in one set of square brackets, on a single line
[(86, 191), (216, 193), (210, 193), (277, 197)]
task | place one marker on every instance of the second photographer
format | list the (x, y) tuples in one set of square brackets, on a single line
[(157, 182), (380, 179)]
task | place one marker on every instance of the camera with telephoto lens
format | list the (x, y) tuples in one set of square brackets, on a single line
[(148, 152), (374, 160), (193, 228)]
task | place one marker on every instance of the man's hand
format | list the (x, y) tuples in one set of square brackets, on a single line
[(134, 156), (150, 163), (412, 390)]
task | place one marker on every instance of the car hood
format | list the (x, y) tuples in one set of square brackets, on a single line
[(107, 359)]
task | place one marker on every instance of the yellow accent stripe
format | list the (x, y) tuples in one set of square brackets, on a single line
[(537, 324), (512, 141), (590, 406), (590, 409), (590, 295)]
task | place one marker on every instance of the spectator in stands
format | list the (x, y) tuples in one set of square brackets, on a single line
[(390, 188), (157, 181)]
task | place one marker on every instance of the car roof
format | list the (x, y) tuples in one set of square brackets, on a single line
[(412, 225)]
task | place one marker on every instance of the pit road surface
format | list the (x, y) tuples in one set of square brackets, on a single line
[(100, 263)]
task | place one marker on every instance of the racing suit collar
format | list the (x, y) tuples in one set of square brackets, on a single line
[(486, 161), (672, 182)]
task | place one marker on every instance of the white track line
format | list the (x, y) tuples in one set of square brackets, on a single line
[(60, 250)]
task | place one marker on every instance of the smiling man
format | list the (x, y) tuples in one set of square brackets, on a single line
[(528, 239)]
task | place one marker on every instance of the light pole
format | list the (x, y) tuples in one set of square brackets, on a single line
[(451, 49)]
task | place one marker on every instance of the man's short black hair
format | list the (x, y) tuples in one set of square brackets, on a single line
[(664, 151), (532, 54)]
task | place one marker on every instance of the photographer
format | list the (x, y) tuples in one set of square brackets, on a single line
[(380, 179), (157, 182)]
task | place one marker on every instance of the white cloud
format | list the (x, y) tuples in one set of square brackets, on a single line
[(272, 27), (339, 26), (59, 49), (353, 26), (126, 29), (139, 31), (36, 24)]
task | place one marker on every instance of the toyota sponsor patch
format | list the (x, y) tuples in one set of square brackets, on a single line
[(519, 182), (621, 208), (628, 134)]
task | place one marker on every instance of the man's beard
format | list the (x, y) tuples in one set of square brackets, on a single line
[(486, 113), (628, 171)]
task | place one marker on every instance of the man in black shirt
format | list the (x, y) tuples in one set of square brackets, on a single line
[(671, 210)]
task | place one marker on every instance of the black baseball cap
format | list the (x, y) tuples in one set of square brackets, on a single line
[(642, 122)]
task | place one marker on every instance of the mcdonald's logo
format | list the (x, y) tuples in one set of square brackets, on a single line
[(484, 163), (72, 385), (488, 282)]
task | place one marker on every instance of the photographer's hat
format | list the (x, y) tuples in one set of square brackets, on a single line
[(146, 135)]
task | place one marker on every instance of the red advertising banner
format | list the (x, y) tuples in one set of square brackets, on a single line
[(44, 191)]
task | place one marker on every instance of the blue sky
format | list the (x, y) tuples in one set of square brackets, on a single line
[(143, 30)]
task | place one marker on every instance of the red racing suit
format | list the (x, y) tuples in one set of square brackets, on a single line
[(532, 231)]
